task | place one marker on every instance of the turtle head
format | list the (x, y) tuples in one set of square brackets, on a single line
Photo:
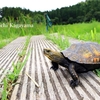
[(53, 55)]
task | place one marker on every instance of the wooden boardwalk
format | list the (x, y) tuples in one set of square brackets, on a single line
[(9, 55), (52, 85)]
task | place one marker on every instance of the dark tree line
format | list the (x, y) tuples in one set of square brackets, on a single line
[(81, 12), (20, 15)]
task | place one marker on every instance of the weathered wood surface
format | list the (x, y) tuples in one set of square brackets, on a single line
[(9, 55), (53, 85)]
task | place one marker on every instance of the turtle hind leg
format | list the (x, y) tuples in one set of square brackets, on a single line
[(54, 66), (75, 81)]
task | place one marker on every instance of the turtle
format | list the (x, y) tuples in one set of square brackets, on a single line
[(77, 58)]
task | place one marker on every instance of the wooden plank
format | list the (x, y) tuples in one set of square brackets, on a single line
[(41, 94), (15, 93), (7, 60), (90, 90), (25, 80), (32, 95), (47, 77), (92, 82)]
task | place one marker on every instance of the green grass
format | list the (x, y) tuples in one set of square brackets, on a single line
[(82, 31), (58, 39), (9, 31)]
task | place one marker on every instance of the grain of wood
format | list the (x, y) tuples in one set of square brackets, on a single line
[(8, 56)]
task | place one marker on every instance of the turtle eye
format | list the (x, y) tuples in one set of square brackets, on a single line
[(48, 50)]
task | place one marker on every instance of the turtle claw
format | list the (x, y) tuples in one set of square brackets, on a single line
[(54, 68), (73, 83)]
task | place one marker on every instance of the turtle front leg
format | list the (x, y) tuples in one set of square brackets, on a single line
[(75, 81), (54, 66)]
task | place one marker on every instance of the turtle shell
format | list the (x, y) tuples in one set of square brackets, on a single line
[(84, 52)]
